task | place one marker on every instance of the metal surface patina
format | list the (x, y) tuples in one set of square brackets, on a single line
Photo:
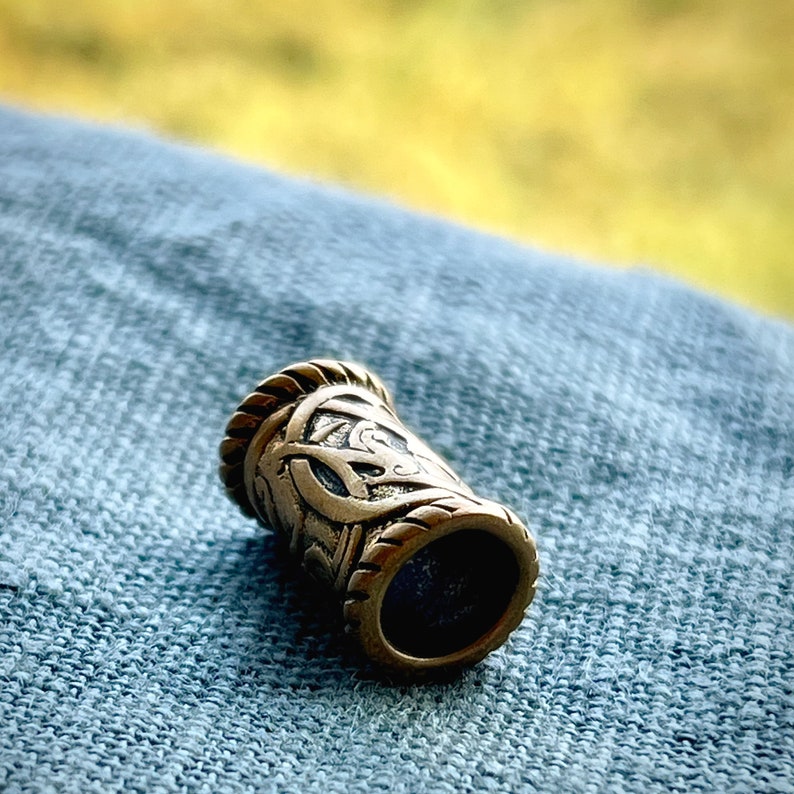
[(431, 576)]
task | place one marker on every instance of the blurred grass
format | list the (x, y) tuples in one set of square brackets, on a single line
[(632, 131)]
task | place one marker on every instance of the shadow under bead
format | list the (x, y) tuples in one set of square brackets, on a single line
[(431, 576)]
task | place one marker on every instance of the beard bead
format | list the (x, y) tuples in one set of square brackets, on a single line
[(431, 576)]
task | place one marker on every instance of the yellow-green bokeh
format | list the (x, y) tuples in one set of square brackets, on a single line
[(658, 132)]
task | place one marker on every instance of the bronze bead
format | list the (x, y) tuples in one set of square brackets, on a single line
[(431, 576)]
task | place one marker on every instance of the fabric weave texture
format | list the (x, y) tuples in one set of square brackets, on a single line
[(153, 639)]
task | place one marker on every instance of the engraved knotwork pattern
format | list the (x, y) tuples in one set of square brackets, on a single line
[(345, 462), (268, 398)]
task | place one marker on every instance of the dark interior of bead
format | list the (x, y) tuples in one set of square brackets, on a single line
[(449, 594)]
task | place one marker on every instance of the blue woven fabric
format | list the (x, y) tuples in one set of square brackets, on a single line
[(153, 639)]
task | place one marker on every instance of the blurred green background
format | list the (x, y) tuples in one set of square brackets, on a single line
[(658, 132)]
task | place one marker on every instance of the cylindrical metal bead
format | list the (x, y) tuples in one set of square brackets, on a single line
[(431, 576)]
